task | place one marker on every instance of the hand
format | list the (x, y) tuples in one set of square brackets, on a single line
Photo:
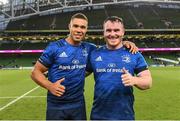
[(56, 88), (127, 78), (131, 46)]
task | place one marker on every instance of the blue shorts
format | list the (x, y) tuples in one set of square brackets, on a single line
[(78, 113)]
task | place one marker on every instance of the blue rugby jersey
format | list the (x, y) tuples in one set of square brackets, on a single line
[(66, 61), (112, 100)]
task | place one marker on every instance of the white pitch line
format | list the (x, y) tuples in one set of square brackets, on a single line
[(10, 103), (23, 97)]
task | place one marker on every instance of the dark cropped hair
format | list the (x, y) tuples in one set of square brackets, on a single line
[(114, 19), (80, 16)]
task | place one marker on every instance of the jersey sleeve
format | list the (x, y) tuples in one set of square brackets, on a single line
[(47, 56), (91, 48), (89, 65), (141, 64)]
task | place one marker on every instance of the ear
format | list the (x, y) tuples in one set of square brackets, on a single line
[(123, 33), (69, 26)]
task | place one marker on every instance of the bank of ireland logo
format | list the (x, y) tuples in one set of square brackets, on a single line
[(111, 65), (126, 58), (75, 61)]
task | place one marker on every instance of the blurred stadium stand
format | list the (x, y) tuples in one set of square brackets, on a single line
[(32, 24), (142, 17)]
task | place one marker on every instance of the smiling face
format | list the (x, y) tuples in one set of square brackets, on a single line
[(113, 33), (78, 29)]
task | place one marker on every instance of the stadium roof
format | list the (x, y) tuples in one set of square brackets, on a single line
[(34, 7)]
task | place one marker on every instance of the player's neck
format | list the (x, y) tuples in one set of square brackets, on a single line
[(110, 47), (72, 42)]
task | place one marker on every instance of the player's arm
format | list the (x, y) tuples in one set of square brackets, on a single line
[(131, 46), (38, 76), (142, 81)]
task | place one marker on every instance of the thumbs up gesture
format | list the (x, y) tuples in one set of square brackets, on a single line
[(127, 78), (57, 88)]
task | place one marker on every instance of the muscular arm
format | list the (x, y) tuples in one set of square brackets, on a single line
[(38, 76), (142, 81)]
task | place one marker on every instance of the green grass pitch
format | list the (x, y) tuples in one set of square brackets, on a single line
[(21, 99)]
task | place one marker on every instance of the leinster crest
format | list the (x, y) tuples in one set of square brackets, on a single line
[(126, 58)]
